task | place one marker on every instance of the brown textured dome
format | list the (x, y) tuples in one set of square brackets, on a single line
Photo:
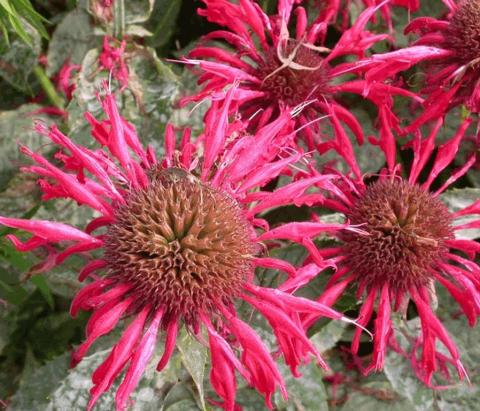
[(406, 228), (463, 34), (293, 86), (182, 244)]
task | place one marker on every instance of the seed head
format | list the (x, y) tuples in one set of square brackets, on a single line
[(406, 232), (463, 34), (182, 244), (289, 84)]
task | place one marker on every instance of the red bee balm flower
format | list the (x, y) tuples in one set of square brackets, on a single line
[(452, 49), (276, 71), (180, 244), (407, 246)]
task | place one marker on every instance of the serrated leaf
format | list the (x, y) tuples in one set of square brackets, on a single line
[(194, 358), (54, 387), (35, 390), (147, 103), (374, 395), (17, 58), (42, 286), (71, 41), (138, 11), (5, 325), (17, 126), (399, 372), (458, 199), (306, 392), (329, 335), (163, 21)]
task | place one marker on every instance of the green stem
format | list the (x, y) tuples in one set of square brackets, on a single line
[(49, 88), (118, 19)]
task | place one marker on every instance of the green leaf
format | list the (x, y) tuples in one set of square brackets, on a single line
[(12, 13), (306, 392), (55, 387), (194, 358), (17, 59), (42, 286), (147, 103), (138, 11), (163, 21), (14, 294), (17, 126), (374, 393), (5, 326), (329, 335), (71, 41), (35, 390), (458, 199)]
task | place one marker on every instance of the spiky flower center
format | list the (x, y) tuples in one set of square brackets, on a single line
[(463, 34), (406, 229), (182, 244), (301, 76)]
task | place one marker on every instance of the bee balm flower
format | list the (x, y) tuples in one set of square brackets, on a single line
[(276, 70), (180, 246), (450, 48), (407, 246)]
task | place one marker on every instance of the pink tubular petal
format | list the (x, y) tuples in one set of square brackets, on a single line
[(220, 55), (109, 370), (471, 209), (291, 193), (83, 155), (469, 247), (387, 139), (343, 145), (422, 151), (435, 107), (30, 244), (446, 154), (169, 144), (302, 277), (251, 152), (215, 132), (222, 373), (299, 231), (91, 267), (347, 117), (100, 323), (463, 298), (49, 230), (139, 361), (69, 183), (117, 143), (456, 174), (77, 248), (383, 329), (363, 318), (275, 263), (265, 375), (430, 323), (113, 294), (262, 175), (293, 303), (172, 331), (291, 337), (302, 22), (86, 292)]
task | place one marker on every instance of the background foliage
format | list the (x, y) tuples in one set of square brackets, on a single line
[(36, 332)]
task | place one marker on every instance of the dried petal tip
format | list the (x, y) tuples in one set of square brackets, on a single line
[(407, 228), (184, 245)]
